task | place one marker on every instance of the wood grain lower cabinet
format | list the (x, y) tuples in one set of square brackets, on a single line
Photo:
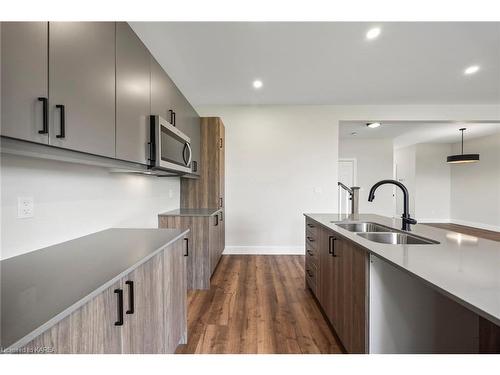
[(174, 294), (153, 317), (90, 329), (214, 242), (341, 285), (204, 246), (144, 308)]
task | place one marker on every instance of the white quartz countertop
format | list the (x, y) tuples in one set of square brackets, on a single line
[(463, 267)]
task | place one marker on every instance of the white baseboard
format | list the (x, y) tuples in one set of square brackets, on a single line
[(264, 250)]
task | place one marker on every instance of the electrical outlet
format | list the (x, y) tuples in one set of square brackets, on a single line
[(25, 207)]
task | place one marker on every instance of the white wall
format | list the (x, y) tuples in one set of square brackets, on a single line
[(73, 200), (432, 183), (374, 159), (280, 163), (277, 155), (475, 192)]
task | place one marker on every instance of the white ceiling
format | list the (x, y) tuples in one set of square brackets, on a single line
[(328, 63), (408, 133)]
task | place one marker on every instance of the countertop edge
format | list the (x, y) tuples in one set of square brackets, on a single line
[(439, 289), (63, 314)]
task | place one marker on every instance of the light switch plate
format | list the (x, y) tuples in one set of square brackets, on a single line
[(25, 207)]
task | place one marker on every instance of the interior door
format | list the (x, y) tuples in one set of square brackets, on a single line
[(24, 52), (82, 86), (144, 327)]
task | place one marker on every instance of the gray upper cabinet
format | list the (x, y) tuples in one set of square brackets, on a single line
[(188, 121), (133, 87), (163, 92), (82, 86), (24, 79), (104, 84)]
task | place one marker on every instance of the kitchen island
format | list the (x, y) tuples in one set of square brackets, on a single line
[(70, 297), (453, 283)]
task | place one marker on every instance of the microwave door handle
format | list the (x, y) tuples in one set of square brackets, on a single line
[(190, 153), (184, 154)]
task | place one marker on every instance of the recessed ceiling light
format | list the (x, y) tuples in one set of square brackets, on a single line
[(373, 33), (471, 69), (257, 84), (373, 125)]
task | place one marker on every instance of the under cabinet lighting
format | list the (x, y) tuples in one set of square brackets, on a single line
[(373, 125)]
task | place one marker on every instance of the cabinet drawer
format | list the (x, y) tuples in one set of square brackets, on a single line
[(312, 256), (311, 228), (311, 242), (311, 276)]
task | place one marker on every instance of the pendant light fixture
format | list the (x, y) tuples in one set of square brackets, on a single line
[(462, 158)]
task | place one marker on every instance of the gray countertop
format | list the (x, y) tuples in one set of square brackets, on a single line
[(192, 212), (465, 268), (41, 287)]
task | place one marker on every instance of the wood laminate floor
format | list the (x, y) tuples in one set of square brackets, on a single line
[(257, 304), (476, 232)]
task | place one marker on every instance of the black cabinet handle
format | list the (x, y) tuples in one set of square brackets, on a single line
[(331, 246), (62, 134), (187, 247), (221, 202), (216, 219), (310, 253), (131, 304), (222, 216), (310, 225), (119, 293), (45, 104), (310, 239)]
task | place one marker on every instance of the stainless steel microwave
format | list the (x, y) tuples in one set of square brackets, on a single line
[(169, 148)]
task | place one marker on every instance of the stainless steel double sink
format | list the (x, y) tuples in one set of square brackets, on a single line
[(382, 234)]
